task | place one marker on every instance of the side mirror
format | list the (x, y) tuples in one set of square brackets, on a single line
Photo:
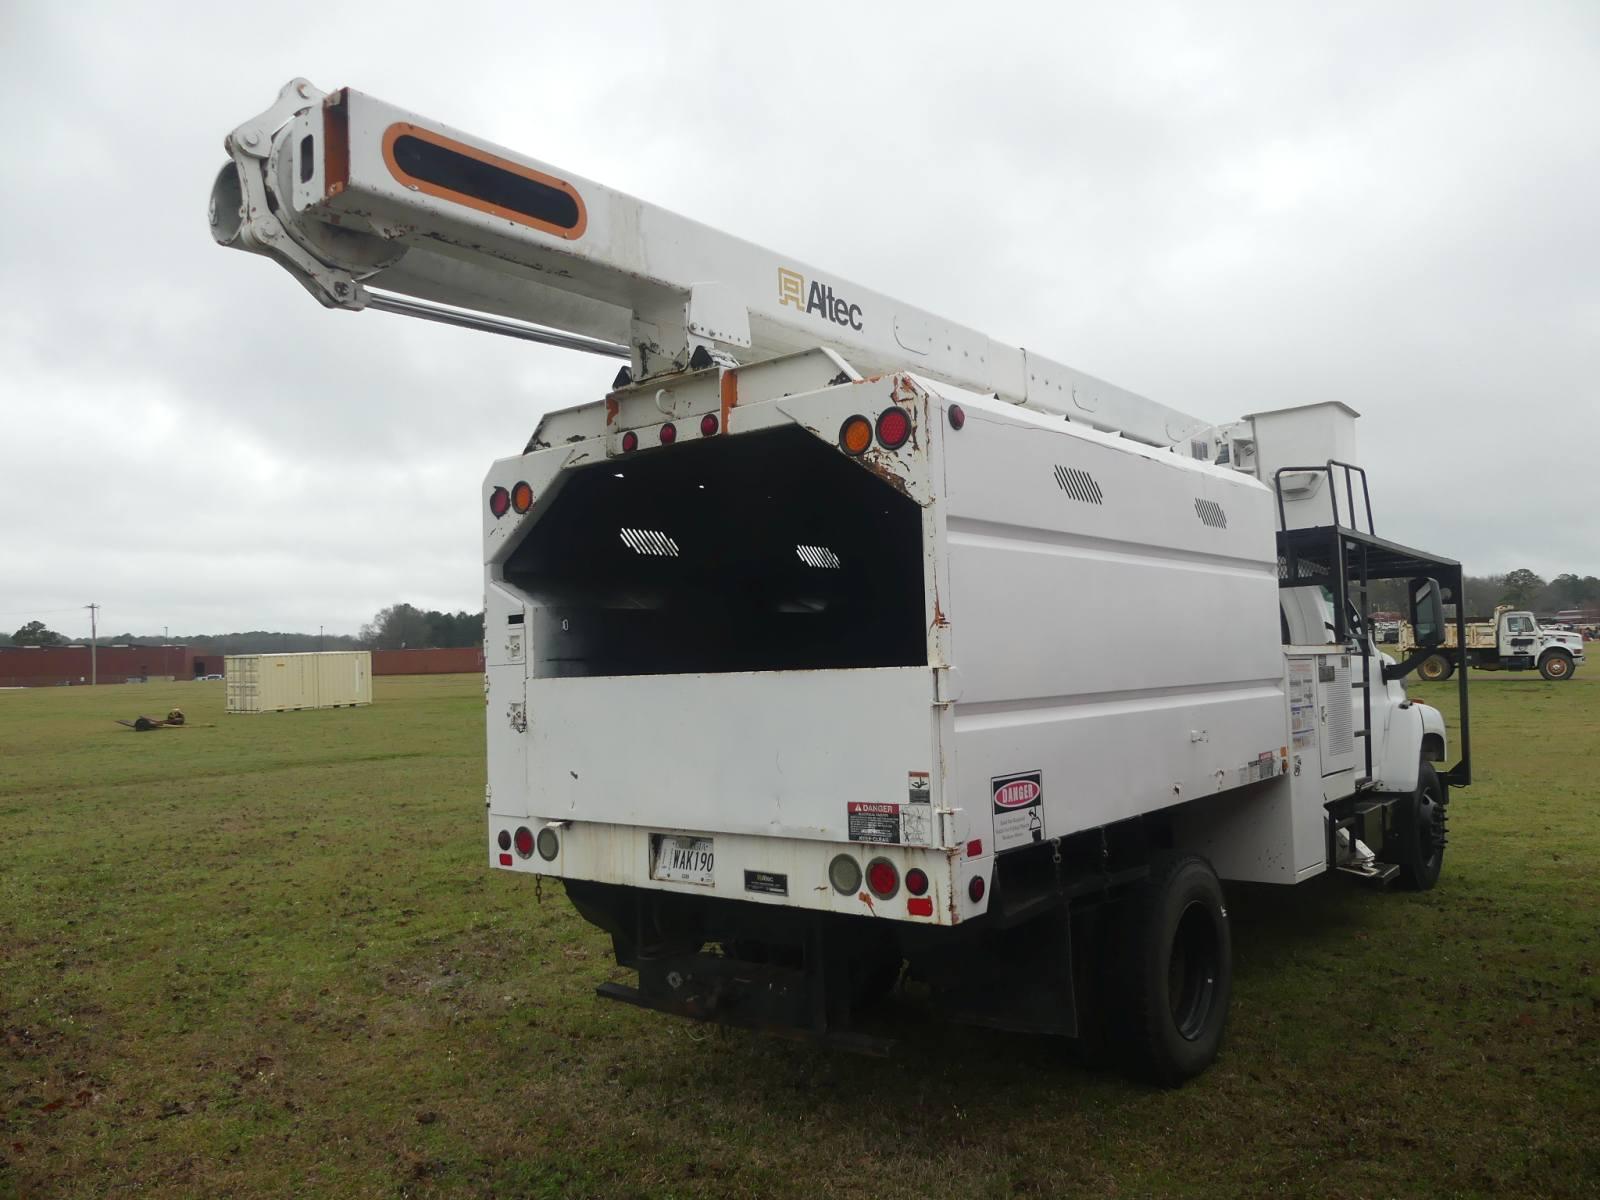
[(1427, 612)]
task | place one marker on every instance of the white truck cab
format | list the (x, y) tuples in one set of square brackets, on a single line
[(819, 645)]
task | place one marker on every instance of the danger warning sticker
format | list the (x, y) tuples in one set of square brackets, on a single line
[(874, 823), (1018, 809)]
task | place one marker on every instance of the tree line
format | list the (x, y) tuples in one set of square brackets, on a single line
[(1521, 588), (398, 627)]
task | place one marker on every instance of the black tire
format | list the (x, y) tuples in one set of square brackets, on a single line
[(1436, 667), (1557, 664), (1416, 837), (1177, 971)]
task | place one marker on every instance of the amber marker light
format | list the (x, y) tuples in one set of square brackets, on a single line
[(855, 435)]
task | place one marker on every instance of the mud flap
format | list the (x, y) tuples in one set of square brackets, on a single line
[(1018, 979)]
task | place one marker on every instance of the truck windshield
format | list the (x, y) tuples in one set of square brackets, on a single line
[(760, 552)]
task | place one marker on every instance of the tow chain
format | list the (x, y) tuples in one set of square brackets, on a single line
[(538, 889)]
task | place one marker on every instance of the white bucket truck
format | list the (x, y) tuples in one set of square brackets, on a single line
[(826, 645)]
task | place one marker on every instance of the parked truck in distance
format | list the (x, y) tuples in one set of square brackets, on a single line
[(1513, 640), (818, 644)]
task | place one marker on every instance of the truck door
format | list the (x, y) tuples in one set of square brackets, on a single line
[(1517, 636)]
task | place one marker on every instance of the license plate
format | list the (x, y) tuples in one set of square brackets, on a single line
[(682, 859)]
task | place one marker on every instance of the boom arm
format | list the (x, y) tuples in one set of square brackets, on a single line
[(352, 194)]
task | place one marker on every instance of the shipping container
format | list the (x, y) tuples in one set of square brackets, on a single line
[(286, 682)]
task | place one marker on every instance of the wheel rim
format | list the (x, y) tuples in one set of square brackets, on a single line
[(1429, 841), (1432, 669), (1558, 666), (1192, 969)]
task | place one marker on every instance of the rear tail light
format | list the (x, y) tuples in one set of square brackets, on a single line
[(549, 844), (975, 888), (524, 841), (917, 881), (957, 415), (505, 860), (883, 879), (708, 424), (630, 442), (894, 427), (522, 497), (499, 502), (855, 435), (669, 434), (844, 873), (920, 908)]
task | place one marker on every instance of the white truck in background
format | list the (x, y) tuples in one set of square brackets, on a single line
[(1512, 641), (819, 647)]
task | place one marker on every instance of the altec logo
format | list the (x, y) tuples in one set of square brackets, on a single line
[(817, 299), (1016, 793)]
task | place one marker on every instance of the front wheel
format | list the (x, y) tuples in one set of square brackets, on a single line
[(1556, 665), (1436, 667), (1178, 977), (1416, 837)]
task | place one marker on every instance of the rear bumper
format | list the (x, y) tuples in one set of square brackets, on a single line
[(779, 872)]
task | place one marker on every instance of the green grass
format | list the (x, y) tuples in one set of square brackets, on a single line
[(264, 957)]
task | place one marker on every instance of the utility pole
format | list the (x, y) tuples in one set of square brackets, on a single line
[(319, 639), (94, 671)]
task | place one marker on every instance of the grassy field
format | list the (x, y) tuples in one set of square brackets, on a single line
[(264, 957)]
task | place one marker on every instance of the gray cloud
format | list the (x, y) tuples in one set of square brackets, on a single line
[(1227, 210)]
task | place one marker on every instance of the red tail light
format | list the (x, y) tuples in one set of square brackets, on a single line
[(975, 888), (499, 502), (917, 881), (669, 434), (630, 442), (957, 415), (883, 880), (524, 841), (894, 427), (920, 908), (708, 424), (505, 860)]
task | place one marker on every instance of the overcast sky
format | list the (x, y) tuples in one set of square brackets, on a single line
[(1227, 209)]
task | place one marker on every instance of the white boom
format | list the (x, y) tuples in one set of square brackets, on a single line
[(350, 194)]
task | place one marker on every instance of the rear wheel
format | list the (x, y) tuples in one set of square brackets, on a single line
[(1556, 665), (1416, 837), (1436, 667), (1178, 972)]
